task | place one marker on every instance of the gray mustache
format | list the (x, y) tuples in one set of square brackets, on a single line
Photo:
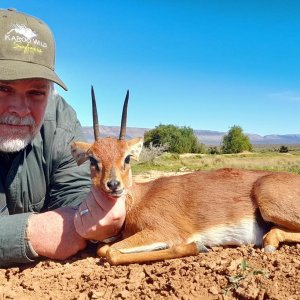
[(13, 120)]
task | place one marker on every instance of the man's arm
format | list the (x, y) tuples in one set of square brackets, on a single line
[(52, 234)]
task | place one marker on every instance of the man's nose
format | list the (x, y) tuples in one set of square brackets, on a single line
[(19, 105)]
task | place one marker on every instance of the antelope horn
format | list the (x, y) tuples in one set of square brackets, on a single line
[(124, 118), (95, 117)]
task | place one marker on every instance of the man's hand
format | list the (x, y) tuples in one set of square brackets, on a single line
[(52, 234), (100, 217)]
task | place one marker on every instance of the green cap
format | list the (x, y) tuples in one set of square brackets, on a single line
[(27, 48)]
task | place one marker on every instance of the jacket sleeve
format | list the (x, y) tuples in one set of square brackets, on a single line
[(14, 248)]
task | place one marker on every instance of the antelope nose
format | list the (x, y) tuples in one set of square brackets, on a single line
[(113, 184)]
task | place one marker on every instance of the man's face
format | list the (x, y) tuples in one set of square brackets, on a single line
[(22, 108)]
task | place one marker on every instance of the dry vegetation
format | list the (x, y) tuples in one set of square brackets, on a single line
[(262, 159)]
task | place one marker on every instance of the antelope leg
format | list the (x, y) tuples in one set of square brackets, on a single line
[(141, 247), (279, 235)]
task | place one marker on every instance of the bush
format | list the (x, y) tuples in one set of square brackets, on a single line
[(235, 141), (180, 139), (283, 149), (149, 153), (213, 150)]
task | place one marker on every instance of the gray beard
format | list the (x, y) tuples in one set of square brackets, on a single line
[(14, 145)]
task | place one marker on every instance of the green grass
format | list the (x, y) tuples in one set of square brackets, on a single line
[(260, 160), (244, 270)]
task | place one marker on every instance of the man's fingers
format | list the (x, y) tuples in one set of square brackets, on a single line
[(103, 200), (99, 217)]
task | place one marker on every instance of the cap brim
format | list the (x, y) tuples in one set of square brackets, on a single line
[(14, 70)]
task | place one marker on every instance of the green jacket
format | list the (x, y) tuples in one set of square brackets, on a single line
[(42, 177)]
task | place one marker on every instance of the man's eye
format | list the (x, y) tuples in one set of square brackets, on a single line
[(37, 93), (4, 88), (127, 159)]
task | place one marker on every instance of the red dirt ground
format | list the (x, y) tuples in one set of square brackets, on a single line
[(223, 273)]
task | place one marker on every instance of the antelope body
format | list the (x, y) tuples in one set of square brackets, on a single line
[(179, 216)]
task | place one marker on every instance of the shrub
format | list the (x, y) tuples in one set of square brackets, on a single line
[(235, 141), (179, 139), (283, 149), (149, 153), (213, 150)]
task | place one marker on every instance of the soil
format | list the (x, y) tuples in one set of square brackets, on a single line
[(223, 273)]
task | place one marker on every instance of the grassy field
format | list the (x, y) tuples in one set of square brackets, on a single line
[(263, 158)]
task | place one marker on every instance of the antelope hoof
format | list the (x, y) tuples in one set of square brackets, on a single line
[(101, 251), (112, 256), (269, 249), (201, 248)]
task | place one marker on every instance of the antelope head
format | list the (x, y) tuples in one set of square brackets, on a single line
[(109, 157)]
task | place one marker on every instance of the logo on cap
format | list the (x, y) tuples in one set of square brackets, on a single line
[(24, 39)]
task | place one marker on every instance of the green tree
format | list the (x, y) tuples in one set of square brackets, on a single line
[(235, 141), (178, 139)]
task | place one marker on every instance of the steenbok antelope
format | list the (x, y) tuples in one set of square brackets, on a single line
[(178, 216)]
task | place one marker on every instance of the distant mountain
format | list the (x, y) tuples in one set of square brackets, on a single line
[(208, 137), (113, 131), (215, 137)]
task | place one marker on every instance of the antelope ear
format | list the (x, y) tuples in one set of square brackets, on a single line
[(79, 151), (135, 147)]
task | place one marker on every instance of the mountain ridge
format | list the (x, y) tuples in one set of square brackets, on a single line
[(207, 137)]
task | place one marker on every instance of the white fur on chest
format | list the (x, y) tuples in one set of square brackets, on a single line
[(245, 232)]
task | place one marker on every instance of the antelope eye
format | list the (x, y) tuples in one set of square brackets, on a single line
[(127, 159), (94, 162)]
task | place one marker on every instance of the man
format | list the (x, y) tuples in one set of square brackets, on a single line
[(47, 208)]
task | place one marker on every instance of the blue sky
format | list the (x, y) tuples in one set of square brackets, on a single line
[(204, 64)]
